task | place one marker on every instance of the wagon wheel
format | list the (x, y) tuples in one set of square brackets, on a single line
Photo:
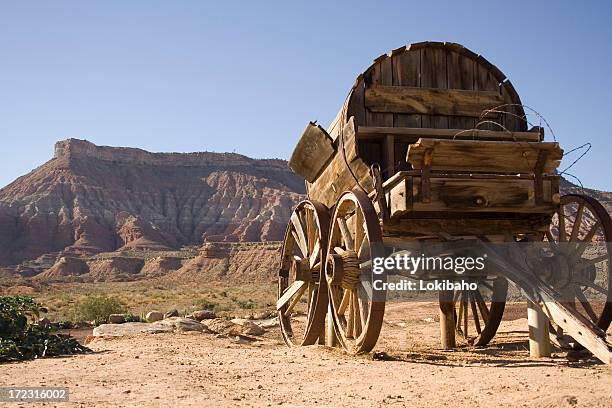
[(581, 236), (355, 239), (302, 290), (479, 312)]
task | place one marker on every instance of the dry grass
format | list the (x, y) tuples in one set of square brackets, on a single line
[(143, 296)]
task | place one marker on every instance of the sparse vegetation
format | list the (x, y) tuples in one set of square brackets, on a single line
[(97, 308), (22, 338)]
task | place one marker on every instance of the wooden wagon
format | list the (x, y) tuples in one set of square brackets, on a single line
[(432, 144)]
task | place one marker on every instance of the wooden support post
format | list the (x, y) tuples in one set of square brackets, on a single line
[(539, 338), (389, 156), (330, 334), (447, 319)]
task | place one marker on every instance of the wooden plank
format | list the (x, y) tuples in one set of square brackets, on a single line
[(484, 80), (460, 71), (457, 195), (431, 224), (381, 74), (406, 134), (406, 72), (356, 107), (433, 75), (312, 153), (430, 101), (337, 177), (485, 156)]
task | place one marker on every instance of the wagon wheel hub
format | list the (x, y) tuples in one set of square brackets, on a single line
[(302, 271), (343, 269)]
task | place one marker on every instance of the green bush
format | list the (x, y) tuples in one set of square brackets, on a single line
[(246, 304), (21, 338), (98, 308), (205, 304)]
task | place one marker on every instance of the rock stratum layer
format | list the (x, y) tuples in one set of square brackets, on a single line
[(89, 199)]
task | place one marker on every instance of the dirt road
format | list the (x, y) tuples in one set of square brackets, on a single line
[(197, 369)]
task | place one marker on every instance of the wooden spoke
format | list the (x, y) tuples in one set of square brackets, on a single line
[(365, 243), (289, 293), (475, 313), (487, 285), (363, 304), (476, 321), (315, 253), (586, 305), (482, 305), (350, 325), (592, 285), (359, 233), (299, 236), (357, 313), (465, 316), (577, 222), (585, 262), (561, 226), (300, 243), (344, 303), (586, 241), (313, 231), (346, 235), (295, 299), (460, 314), (551, 241)]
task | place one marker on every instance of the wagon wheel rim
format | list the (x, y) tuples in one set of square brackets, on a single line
[(478, 313), (302, 291), (355, 239), (582, 221)]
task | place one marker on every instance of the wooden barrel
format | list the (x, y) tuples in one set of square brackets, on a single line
[(427, 85)]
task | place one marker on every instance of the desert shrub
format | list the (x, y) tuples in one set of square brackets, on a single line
[(205, 304), (98, 308), (246, 304), (21, 338), (131, 318)]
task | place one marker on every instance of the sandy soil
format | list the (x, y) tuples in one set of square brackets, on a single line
[(197, 369)]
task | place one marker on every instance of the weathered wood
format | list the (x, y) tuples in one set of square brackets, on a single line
[(552, 305), (460, 71), (292, 290), (485, 156), (430, 101), (406, 72), (434, 75), (312, 153), (411, 135), (447, 319), (484, 195), (539, 337), (431, 224), (381, 74)]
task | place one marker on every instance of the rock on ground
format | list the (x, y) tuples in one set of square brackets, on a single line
[(179, 324), (154, 316)]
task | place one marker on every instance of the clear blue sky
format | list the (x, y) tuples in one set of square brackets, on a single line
[(246, 76)]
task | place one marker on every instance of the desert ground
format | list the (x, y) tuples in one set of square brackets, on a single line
[(407, 368)]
